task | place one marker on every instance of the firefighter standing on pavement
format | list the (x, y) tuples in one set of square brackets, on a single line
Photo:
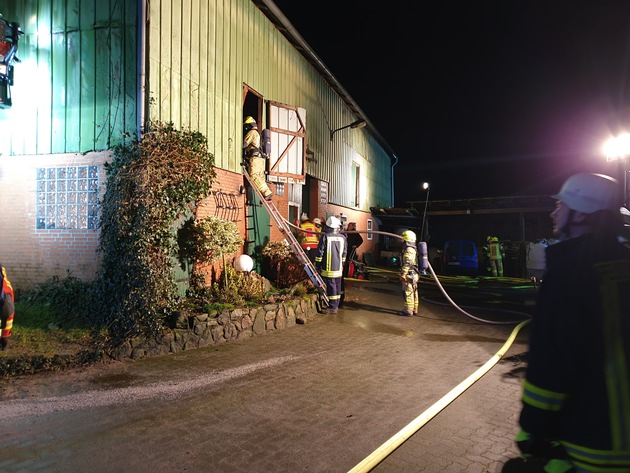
[(495, 254), (576, 393), (309, 237), (7, 308), (331, 255), (254, 158), (409, 274)]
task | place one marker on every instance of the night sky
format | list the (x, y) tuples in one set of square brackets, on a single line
[(480, 98)]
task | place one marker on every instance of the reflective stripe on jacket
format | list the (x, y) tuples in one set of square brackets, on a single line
[(578, 375), (331, 254)]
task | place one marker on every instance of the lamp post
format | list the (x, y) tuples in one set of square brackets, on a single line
[(425, 186), (617, 148), (360, 123)]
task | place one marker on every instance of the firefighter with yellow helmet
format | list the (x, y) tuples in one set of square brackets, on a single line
[(255, 158), (576, 394), (409, 273), (495, 255)]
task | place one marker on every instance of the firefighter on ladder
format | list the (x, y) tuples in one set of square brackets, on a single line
[(254, 158)]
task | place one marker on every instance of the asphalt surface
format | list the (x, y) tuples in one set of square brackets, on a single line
[(328, 396)]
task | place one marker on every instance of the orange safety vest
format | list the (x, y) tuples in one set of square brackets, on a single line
[(309, 239), (8, 308)]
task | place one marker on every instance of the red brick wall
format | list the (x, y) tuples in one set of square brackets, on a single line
[(33, 255)]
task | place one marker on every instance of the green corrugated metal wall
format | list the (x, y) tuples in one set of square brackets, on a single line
[(76, 85), (76, 88), (201, 52)]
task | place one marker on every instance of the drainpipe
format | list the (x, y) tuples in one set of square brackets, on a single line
[(142, 55), (395, 162)]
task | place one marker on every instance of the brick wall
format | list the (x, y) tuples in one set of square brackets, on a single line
[(32, 255)]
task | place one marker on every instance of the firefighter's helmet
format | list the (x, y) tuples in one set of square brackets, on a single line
[(317, 221), (303, 217), (249, 121), (333, 222), (409, 236), (588, 193)]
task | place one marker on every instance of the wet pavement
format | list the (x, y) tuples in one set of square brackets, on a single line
[(320, 397)]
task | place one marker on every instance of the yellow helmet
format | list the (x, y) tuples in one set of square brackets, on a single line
[(409, 236), (249, 121)]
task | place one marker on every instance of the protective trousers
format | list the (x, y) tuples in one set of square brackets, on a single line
[(257, 167), (410, 291)]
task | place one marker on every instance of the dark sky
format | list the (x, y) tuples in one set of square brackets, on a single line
[(481, 98)]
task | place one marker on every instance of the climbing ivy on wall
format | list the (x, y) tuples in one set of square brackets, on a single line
[(151, 182)]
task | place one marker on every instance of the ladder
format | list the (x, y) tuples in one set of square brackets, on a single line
[(295, 246)]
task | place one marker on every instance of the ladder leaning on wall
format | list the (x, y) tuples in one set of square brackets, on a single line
[(295, 246)]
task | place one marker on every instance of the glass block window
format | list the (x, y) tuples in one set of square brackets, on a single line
[(67, 198)]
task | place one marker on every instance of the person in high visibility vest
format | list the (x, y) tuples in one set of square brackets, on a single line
[(254, 158), (576, 395), (409, 273), (331, 255), (7, 309), (309, 238)]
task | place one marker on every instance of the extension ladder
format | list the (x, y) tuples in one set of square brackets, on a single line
[(295, 246)]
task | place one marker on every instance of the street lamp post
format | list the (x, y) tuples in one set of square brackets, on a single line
[(617, 148), (425, 186)]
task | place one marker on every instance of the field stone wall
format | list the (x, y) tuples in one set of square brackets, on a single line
[(192, 331)]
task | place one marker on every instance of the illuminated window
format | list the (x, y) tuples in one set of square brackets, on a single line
[(356, 174), (67, 198)]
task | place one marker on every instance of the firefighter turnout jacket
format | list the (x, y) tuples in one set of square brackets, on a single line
[(577, 386), (7, 305), (331, 253)]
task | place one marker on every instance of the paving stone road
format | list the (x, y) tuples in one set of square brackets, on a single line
[(319, 397)]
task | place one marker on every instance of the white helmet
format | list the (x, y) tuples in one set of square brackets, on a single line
[(588, 193), (333, 222), (303, 217)]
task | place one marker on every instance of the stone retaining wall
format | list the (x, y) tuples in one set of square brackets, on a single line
[(200, 330)]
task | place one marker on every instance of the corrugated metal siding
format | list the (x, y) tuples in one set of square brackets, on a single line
[(76, 87), (201, 52)]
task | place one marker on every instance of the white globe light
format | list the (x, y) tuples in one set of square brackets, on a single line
[(244, 263)]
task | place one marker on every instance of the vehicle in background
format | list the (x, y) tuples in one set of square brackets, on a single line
[(460, 258)]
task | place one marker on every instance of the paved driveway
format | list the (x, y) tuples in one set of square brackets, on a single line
[(320, 397)]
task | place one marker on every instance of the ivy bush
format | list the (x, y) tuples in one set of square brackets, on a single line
[(151, 183)]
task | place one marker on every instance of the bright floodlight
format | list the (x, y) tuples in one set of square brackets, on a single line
[(617, 147), (425, 185)]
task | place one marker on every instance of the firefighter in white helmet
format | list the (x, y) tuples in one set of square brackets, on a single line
[(576, 402), (254, 157), (409, 274), (331, 255)]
